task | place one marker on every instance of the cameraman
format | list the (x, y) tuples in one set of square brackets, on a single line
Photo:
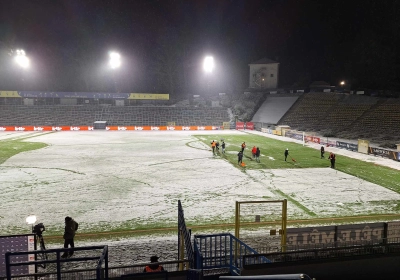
[(38, 229), (69, 233)]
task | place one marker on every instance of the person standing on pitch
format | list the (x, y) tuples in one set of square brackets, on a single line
[(253, 152), (322, 151), (258, 155), (223, 146), (213, 144), (286, 153), (332, 158), (243, 146), (69, 233), (240, 157)]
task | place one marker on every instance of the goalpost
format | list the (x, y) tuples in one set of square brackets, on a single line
[(257, 207)]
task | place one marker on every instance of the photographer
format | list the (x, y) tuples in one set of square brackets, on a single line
[(69, 233)]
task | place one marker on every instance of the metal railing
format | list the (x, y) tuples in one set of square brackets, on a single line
[(221, 251), (113, 272), (100, 273)]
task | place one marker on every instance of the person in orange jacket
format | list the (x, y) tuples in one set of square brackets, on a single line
[(213, 144), (243, 146), (154, 266), (254, 151)]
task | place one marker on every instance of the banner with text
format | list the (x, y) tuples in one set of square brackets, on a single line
[(15, 243), (297, 136), (114, 128), (383, 153), (345, 234), (88, 95), (347, 146), (245, 125), (313, 139)]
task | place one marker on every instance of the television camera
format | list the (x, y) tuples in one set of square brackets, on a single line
[(38, 229)]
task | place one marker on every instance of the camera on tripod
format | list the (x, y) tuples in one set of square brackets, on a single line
[(38, 229)]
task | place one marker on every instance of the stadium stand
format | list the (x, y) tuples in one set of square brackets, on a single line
[(346, 116), (75, 115), (378, 123), (310, 110), (274, 107)]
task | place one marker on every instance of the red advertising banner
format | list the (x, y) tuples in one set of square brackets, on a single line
[(245, 125), (249, 125), (313, 139), (239, 125), (113, 128)]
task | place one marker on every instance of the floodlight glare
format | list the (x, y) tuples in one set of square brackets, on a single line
[(208, 64), (21, 59), (31, 219), (115, 60), (342, 83)]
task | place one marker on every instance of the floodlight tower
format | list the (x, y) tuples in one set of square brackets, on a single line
[(208, 64), (21, 59), (115, 60), (342, 84), (208, 67), (114, 63), (23, 62)]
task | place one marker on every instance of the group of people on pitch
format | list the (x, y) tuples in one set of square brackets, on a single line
[(215, 147), (332, 156), (255, 152)]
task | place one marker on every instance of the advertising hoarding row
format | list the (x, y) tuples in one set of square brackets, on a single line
[(244, 125), (344, 234), (88, 95), (113, 128), (362, 146)]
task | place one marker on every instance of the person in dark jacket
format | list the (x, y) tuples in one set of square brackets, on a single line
[(286, 153), (223, 146), (332, 158), (240, 157), (258, 154), (153, 267), (322, 151), (69, 233)]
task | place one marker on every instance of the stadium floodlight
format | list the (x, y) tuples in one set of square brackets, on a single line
[(115, 60), (31, 219), (208, 64), (342, 83), (21, 59)]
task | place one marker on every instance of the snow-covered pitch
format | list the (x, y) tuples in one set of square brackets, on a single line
[(110, 180)]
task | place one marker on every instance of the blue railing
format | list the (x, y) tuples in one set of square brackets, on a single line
[(222, 251), (103, 258)]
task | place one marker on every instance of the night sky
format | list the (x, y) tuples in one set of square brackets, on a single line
[(163, 43)]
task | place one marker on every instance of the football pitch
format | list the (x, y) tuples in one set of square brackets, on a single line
[(123, 181)]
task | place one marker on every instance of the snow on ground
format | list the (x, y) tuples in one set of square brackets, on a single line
[(126, 179)]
